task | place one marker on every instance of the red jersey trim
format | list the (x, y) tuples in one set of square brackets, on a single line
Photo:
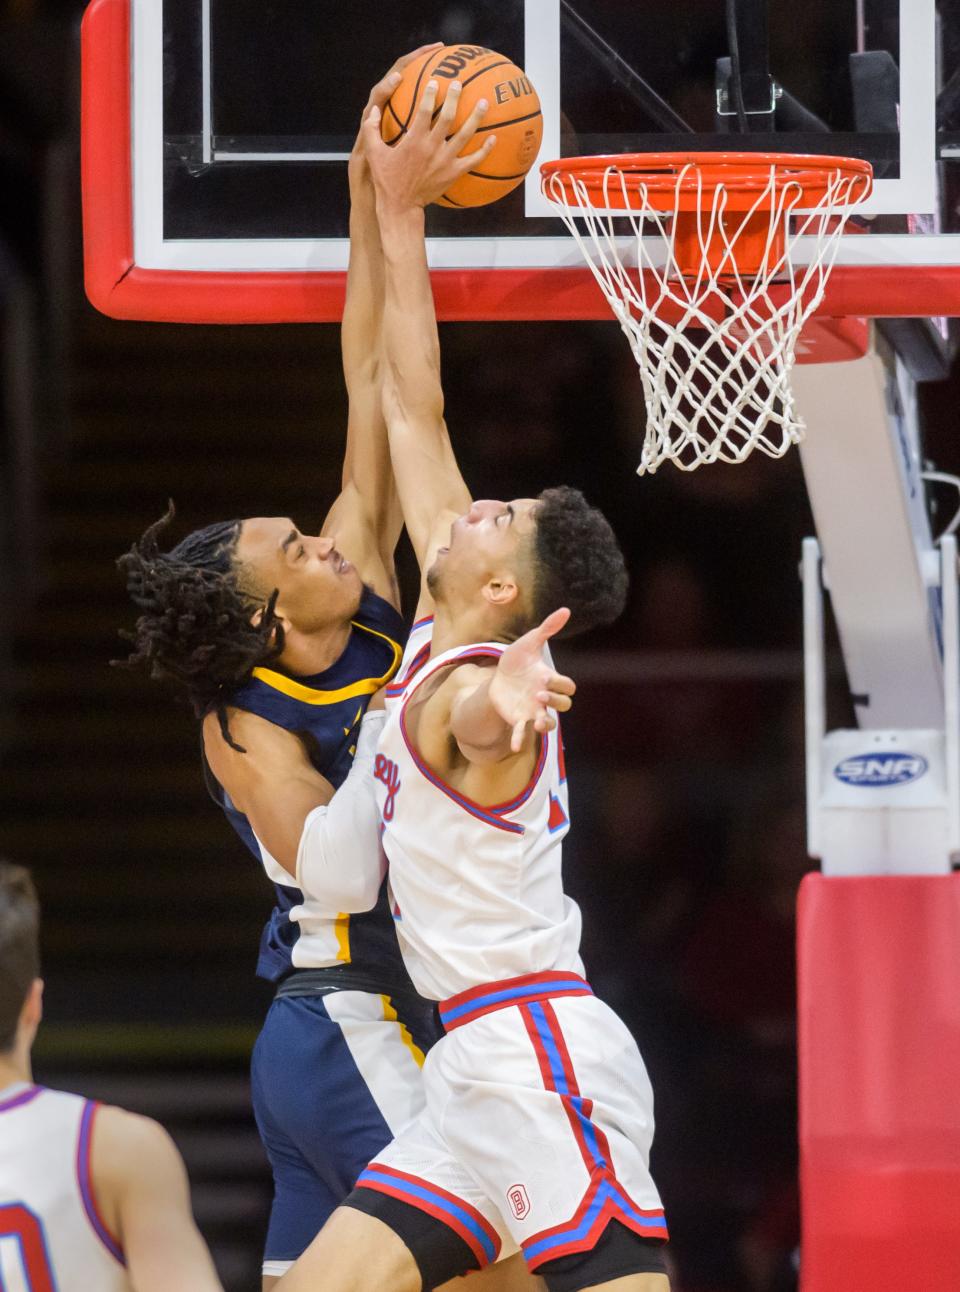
[(85, 1181), (492, 815)]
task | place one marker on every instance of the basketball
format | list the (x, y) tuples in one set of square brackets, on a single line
[(514, 114)]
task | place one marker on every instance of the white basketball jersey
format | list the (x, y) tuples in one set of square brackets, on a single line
[(476, 891), (52, 1236)]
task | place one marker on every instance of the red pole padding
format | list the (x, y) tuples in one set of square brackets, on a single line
[(879, 1016)]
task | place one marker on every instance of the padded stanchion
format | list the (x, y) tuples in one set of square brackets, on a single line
[(879, 1017)]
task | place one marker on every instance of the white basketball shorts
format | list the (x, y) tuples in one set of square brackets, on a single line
[(537, 1126)]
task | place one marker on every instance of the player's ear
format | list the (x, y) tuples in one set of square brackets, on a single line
[(256, 618), (501, 591)]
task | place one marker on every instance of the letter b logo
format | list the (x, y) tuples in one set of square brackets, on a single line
[(519, 1202)]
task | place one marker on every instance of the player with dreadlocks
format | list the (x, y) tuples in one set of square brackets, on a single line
[(280, 643), (199, 626)]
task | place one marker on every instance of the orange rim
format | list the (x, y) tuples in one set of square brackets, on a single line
[(676, 181)]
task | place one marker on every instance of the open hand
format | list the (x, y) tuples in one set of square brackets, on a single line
[(524, 687), (422, 164), (357, 168)]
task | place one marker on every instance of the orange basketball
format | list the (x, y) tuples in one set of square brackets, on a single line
[(513, 114)]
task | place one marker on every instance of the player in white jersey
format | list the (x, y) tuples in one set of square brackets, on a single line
[(539, 1113), (92, 1199)]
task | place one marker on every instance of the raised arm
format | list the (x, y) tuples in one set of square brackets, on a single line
[(414, 172), (365, 518)]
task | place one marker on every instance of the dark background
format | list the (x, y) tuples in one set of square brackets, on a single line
[(685, 746)]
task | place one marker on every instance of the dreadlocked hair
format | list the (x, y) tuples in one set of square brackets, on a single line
[(195, 629)]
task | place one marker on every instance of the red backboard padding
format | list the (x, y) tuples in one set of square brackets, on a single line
[(123, 289), (879, 1015)]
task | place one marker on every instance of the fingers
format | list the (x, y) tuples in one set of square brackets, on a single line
[(406, 59), (382, 91), (471, 160), (469, 128), (448, 109), (553, 623), (384, 88), (544, 722), (555, 700), (387, 84), (370, 130), (424, 114)]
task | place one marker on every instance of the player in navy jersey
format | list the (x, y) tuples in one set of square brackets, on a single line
[(281, 640)]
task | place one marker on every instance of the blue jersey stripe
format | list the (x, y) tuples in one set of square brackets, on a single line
[(438, 1200), (512, 994), (589, 1131), (579, 1231), (550, 1046)]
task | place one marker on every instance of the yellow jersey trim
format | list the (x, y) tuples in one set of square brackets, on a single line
[(341, 927), (312, 695), (390, 1014)]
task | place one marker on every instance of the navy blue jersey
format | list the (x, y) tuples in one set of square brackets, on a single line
[(325, 710)]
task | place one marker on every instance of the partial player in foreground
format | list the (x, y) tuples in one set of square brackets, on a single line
[(539, 1112), (92, 1198)]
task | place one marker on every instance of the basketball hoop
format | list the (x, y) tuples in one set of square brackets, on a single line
[(714, 302)]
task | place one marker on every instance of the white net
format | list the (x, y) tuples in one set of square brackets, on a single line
[(716, 345)]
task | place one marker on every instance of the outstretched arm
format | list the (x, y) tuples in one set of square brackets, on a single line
[(365, 518), (414, 172), (481, 728), (490, 716)]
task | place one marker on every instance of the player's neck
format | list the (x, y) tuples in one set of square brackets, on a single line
[(309, 653), (453, 628), (14, 1068)]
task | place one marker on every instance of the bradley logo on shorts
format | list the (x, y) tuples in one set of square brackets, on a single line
[(385, 770), (519, 1202)]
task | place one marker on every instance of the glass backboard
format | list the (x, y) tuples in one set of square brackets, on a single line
[(216, 134)]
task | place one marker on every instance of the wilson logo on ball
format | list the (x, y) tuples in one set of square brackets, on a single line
[(457, 60)]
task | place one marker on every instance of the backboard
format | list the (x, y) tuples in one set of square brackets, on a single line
[(215, 137)]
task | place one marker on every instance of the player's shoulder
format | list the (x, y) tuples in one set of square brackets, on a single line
[(469, 672), (131, 1157), (260, 755), (256, 741), (128, 1134), (455, 677), (125, 1144)]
